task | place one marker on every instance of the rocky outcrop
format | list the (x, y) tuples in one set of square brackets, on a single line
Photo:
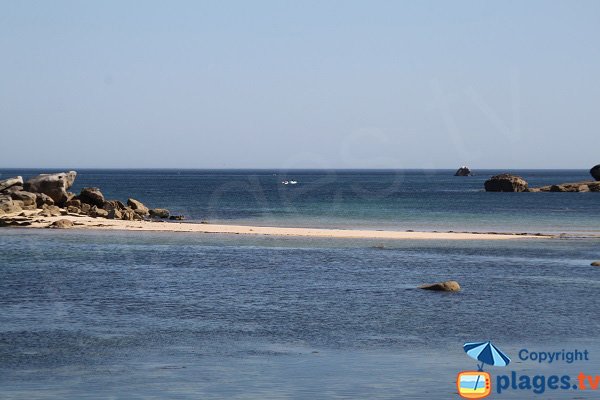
[(53, 185), (48, 192), (463, 171), (595, 172), (506, 183), (7, 183), (92, 196), (61, 224), (447, 286), (587, 186)]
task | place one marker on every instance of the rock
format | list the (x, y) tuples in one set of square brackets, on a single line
[(12, 189), (596, 264), (128, 214), (73, 202), (506, 183), (92, 196), (534, 190), (98, 212), (113, 204), (53, 185), (50, 211), (73, 210), (42, 199), (594, 187), (28, 198), (159, 213), (61, 224), (137, 206), (85, 208), (447, 286), (463, 171), (177, 217), (7, 183), (114, 213), (8, 205), (595, 172)]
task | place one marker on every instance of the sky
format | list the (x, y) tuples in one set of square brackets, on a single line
[(299, 84)]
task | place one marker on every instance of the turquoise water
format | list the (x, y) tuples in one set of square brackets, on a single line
[(161, 315)]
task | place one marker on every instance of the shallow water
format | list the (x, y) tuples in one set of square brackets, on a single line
[(388, 199), (142, 315)]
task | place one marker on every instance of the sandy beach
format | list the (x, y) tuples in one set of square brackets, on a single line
[(86, 222)]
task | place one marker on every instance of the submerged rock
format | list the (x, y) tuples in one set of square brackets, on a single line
[(447, 286), (463, 171), (53, 185), (506, 183)]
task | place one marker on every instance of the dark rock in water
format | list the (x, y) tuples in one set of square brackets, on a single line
[(595, 172), (92, 196), (113, 205), (463, 171), (138, 207), (506, 183), (7, 183), (42, 199), (447, 286), (28, 198), (177, 217), (159, 213), (596, 264), (53, 185), (61, 224)]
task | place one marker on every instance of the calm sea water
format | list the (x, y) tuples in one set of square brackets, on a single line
[(153, 315)]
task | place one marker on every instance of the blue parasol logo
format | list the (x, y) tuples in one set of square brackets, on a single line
[(487, 353)]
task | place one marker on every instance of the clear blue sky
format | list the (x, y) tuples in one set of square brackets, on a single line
[(282, 84)]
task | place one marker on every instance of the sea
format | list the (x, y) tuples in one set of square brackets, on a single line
[(148, 315)]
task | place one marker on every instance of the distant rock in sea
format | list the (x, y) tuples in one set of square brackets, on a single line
[(506, 183), (595, 172), (596, 264), (447, 286), (463, 171)]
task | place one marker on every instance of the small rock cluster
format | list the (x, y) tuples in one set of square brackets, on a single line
[(514, 183), (49, 193)]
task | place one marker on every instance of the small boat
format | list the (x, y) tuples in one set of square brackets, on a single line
[(293, 182), (285, 182)]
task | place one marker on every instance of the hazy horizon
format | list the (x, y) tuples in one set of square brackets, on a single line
[(308, 85)]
